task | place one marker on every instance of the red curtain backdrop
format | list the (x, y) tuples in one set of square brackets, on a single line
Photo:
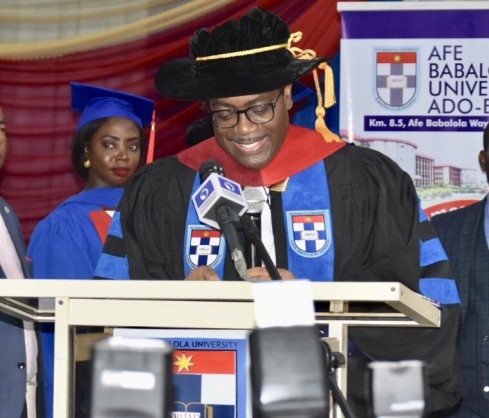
[(35, 96)]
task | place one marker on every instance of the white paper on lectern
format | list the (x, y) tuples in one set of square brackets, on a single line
[(283, 303)]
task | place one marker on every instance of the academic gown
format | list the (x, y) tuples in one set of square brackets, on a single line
[(66, 245), (377, 236), (68, 242)]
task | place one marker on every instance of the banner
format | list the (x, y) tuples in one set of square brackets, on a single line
[(210, 370), (414, 85)]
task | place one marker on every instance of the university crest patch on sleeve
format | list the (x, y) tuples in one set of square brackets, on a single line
[(309, 232), (204, 246)]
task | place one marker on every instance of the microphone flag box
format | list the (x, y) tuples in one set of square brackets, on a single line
[(214, 192)]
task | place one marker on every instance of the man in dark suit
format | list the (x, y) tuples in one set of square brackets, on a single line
[(465, 236), (18, 343)]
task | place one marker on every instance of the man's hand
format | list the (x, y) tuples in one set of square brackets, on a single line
[(203, 273), (261, 273), (255, 273)]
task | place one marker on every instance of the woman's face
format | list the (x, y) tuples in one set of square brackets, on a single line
[(114, 152)]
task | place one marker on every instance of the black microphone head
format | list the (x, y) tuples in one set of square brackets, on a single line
[(209, 167)]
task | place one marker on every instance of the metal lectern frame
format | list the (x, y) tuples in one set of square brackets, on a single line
[(198, 305)]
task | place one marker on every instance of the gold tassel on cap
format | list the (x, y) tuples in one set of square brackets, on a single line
[(329, 97), (329, 100)]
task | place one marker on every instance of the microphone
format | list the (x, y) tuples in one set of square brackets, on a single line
[(219, 202), (255, 198), (255, 251), (209, 167), (216, 191)]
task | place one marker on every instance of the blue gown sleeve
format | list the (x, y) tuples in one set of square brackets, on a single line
[(63, 246)]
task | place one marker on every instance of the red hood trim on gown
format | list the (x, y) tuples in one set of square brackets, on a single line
[(301, 149)]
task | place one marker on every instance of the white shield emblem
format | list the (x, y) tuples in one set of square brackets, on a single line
[(396, 77), (204, 246), (309, 232)]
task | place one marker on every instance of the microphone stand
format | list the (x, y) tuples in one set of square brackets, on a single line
[(333, 360), (228, 220), (252, 234)]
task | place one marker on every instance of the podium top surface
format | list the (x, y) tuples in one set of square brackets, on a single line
[(193, 290), (393, 295)]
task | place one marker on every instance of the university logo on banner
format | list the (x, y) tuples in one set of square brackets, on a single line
[(309, 232), (396, 77), (205, 383), (204, 246)]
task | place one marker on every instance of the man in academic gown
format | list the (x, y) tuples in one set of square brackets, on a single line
[(333, 212)]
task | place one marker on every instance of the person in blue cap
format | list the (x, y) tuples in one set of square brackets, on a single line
[(108, 147)]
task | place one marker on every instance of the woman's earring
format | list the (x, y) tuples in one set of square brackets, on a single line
[(86, 163)]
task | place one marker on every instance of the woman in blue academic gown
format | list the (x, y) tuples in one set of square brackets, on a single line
[(108, 147)]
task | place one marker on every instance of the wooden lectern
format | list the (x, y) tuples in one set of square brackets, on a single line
[(201, 305)]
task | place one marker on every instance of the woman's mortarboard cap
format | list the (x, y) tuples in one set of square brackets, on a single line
[(97, 103)]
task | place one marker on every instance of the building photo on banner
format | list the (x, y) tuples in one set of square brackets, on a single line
[(414, 85)]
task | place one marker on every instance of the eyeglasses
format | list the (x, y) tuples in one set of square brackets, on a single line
[(228, 118)]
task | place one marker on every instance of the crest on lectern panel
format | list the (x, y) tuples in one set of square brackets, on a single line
[(210, 371)]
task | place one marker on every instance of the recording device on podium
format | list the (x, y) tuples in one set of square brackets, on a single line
[(398, 389), (132, 377)]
